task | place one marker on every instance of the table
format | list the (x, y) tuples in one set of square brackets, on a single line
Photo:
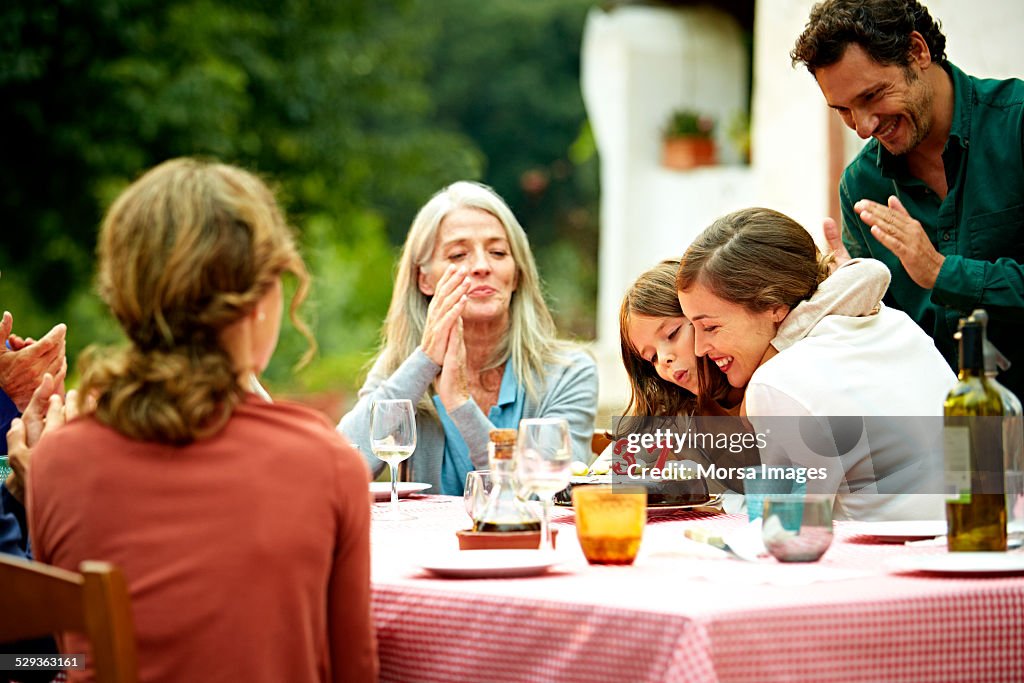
[(686, 612)]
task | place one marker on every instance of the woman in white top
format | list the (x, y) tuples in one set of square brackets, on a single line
[(657, 346), (851, 399)]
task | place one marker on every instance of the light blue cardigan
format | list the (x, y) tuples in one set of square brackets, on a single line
[(570, 391)]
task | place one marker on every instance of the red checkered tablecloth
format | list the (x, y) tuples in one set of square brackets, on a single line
[(685, 612)]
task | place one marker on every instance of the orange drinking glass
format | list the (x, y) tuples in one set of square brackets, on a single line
[(610, 522)]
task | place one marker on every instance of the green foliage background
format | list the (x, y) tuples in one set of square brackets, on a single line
[(356, 110)]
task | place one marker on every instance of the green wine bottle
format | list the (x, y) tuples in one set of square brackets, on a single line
[(976, 510)]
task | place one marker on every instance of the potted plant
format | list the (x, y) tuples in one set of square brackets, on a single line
[(687, 140)]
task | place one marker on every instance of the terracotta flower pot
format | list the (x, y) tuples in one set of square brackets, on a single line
[(688, 152)]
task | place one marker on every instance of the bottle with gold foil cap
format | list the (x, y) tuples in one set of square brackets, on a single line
[(973, 443), (504, 511)]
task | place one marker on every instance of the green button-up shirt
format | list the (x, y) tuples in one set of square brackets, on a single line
[(978, 227)]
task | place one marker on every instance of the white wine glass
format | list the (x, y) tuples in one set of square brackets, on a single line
[(543, 460), (393, 439)]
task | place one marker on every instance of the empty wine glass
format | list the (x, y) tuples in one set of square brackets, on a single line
[(543, 458), (393, 439)]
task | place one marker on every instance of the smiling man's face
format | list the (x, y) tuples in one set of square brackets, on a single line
[(892, 104)]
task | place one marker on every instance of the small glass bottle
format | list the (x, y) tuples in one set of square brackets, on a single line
[(503, 510), (976, 510)]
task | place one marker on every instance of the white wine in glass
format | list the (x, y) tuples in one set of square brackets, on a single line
[(543, 461), (393, 439)]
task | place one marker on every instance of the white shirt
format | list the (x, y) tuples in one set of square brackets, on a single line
[(881, 367)]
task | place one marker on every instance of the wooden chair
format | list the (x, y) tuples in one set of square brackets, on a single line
[(38, 600), (599, 441)]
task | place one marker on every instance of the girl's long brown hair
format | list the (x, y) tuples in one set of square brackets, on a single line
[(654, 294), (187, 249)]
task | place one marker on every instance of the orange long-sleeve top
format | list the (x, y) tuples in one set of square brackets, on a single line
[(246, 554)]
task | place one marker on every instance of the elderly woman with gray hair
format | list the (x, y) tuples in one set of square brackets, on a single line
[(469, 340)]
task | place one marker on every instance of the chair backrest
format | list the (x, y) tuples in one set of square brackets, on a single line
[(38, 600), (599, 441)]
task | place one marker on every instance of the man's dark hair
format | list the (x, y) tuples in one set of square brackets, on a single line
[(881, 27)]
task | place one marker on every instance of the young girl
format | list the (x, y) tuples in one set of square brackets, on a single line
[(656, 341), (667, 378)]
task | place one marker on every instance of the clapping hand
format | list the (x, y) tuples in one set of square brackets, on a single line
[(453, 386), (446, 305), (23, 362), (47, 410), (903, 236), (834, 237)]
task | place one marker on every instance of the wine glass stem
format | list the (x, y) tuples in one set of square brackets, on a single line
[(545, 525), (394, 489)]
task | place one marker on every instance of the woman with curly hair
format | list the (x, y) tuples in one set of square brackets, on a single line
[(241, 526)]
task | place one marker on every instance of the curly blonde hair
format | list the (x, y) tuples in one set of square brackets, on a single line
[(184, 251)]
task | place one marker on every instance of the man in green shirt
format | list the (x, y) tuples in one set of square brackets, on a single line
[(946, 150)]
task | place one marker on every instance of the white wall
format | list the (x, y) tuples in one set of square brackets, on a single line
[(983, 37), (638, 64), (789, 125)]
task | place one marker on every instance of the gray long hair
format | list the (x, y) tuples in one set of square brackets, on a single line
[(530, 341)]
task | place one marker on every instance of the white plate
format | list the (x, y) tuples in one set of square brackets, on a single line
[(381, 490), (479, 564), (898, 531), (960, 563)]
